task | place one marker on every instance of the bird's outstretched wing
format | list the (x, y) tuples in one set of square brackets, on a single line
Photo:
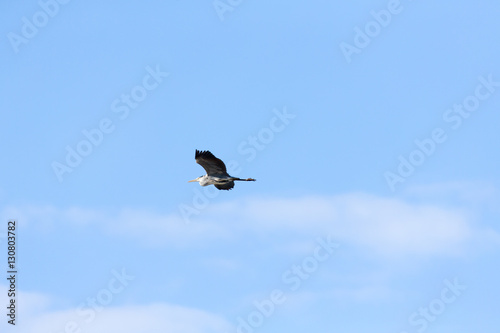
[(212, 165), (225, 186)]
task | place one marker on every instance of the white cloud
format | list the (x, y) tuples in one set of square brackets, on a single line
[(159, 230), (387, 226), (371, 293), (31, 302), (465, 192), (152, 318), (34, 317), (153, 229), (396, 227)]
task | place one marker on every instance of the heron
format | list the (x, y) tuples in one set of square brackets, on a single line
[(216, 172)]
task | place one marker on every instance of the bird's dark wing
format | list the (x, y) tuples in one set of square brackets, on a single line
[(212, 165), (225, 186)]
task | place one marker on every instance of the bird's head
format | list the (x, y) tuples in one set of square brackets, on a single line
[(195, 180)]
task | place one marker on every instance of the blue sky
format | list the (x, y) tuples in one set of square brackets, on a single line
[(370, 126)]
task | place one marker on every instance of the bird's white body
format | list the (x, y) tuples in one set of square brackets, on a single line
[(206, 180)]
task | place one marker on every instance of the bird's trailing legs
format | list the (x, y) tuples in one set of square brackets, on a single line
[(245, 180)]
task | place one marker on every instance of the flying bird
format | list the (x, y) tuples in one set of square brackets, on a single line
[(216, 172)]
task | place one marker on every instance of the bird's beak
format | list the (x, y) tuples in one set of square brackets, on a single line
[(190, 181)]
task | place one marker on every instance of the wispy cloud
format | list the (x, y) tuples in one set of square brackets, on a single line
[(386, 226), (458, 193), (156, 317)]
